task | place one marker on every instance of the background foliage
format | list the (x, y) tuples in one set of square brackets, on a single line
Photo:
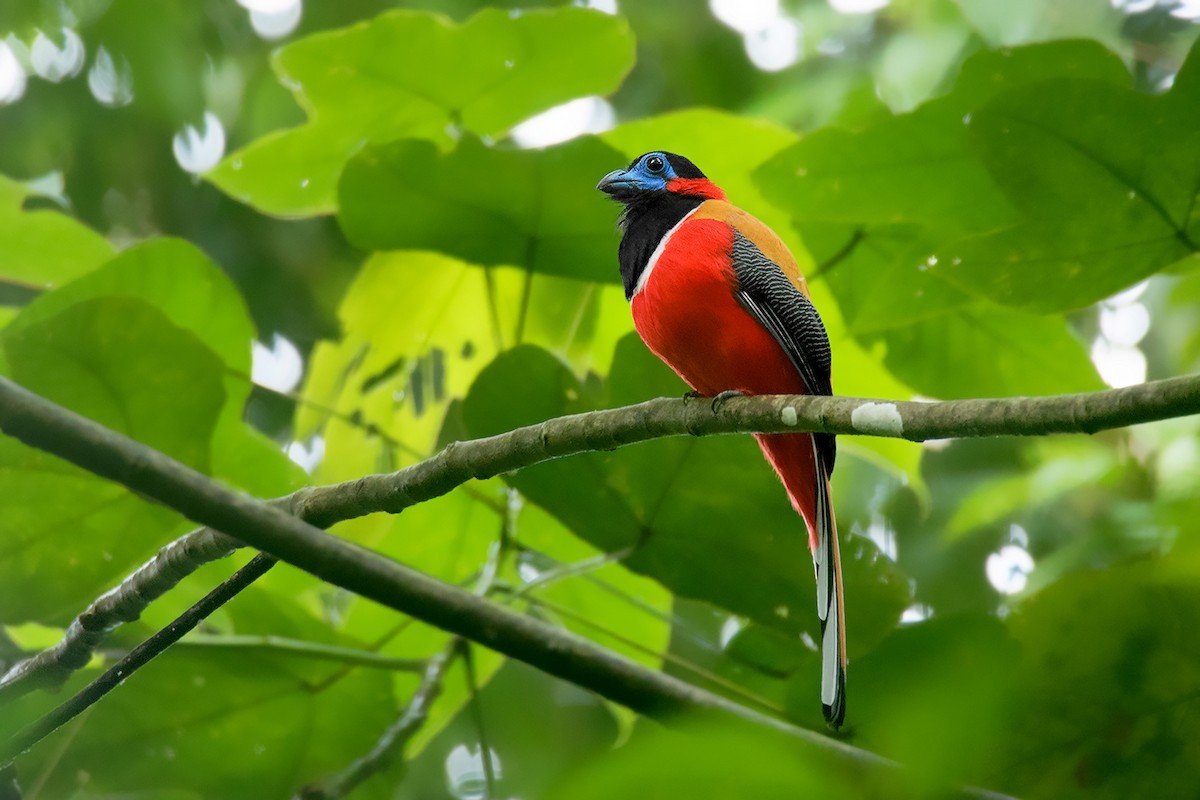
[(352, 192)]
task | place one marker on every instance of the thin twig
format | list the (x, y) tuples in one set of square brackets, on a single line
[(392, 743), (485, 748), (395, 739)]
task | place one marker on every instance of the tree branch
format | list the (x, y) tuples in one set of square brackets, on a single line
[(606, 430), (125, 603), (612, 428), (42, 424)]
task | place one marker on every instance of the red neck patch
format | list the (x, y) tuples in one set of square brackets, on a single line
[(696, 187)]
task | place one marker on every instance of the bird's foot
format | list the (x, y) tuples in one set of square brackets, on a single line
[(724, 397), (692, 395)]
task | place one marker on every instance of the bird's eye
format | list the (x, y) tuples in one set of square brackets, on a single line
[(655, 164)]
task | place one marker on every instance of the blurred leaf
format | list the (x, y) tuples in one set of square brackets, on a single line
[(933, 696), (1108, 683), (449, 538), (572, 725), (706, 518), (225, 724), (417, 74), (165, 48), (536, 209), (914, 63), (43, 249), (1064, 466), (121, 363), (1021, 21), (702, 759)]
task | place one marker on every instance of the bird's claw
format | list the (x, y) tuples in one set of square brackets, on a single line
[(692, 395), (722, 398)]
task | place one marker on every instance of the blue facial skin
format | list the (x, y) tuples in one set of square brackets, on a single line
[(649, 173)]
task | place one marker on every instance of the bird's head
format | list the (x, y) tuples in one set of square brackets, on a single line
[(658, 174)]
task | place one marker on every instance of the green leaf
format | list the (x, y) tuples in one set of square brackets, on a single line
[(119, 362), (705, 517), (920, 167), (534, 208), (1103, 207), (933, 696), (417, 74), (380, 395), (1108, 683), (988, 350), (177, 279), (699, 759), (43, 249), (231, 724), (937, 339)]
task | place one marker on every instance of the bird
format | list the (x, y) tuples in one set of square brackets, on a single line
[(718, 297)]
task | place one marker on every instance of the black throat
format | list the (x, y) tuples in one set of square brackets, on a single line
[(645, 221)]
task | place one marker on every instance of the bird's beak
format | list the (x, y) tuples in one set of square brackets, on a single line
[(615, 183)]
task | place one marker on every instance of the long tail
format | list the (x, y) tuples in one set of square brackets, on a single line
[(830, 604), (799, 463)]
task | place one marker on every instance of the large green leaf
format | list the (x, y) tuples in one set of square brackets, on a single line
[(120, 362), (920, 167), (989, 350), (42, 249), (1108, 685), (1106, 180), (876, 206), (417, 74), (534, 209), (706, 518), (181, 282)]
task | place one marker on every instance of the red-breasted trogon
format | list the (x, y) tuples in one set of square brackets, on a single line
[(717, 296)]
